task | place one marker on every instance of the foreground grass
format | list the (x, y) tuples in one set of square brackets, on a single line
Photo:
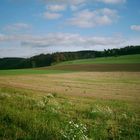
[(28, 116), (125, 59)]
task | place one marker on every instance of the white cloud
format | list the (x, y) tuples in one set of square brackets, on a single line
[(51, 16), (74, 7), (61, 39), (112, 1), (73, 2), (28, 45), (52, 11), (77, 2), (17, 27), (2, 37), (56, 8), (16, 51), (83, 18), (77, 7), (135, 27), (88, 19)]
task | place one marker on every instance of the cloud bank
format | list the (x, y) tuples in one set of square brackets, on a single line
[(61, 39), (88, 19)]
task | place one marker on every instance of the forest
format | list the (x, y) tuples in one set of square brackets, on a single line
[(42, 60)]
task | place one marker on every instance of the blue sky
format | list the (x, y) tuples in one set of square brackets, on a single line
[(30, 27)]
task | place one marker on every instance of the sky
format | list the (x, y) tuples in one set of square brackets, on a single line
[(31, 27)]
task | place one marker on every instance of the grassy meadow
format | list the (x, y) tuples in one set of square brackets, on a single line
[(124, 59), (125, 63), (44, 104)]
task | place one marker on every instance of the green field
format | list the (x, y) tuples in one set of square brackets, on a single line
[(46, 104), (30, 71), (126, 59)]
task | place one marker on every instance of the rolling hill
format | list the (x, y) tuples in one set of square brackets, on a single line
[(124, 59), (120, 63)]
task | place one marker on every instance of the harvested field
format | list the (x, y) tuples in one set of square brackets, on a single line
[(97, 67), (106, 85)]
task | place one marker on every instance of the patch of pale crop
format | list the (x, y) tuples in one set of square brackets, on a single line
[(48, 103), (100, 111)]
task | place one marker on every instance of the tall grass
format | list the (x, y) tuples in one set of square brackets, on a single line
[(51, 117)]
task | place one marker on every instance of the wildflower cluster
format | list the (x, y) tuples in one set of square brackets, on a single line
[(75, 131)]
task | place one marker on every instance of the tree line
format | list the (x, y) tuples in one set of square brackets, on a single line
[(49, 59)]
